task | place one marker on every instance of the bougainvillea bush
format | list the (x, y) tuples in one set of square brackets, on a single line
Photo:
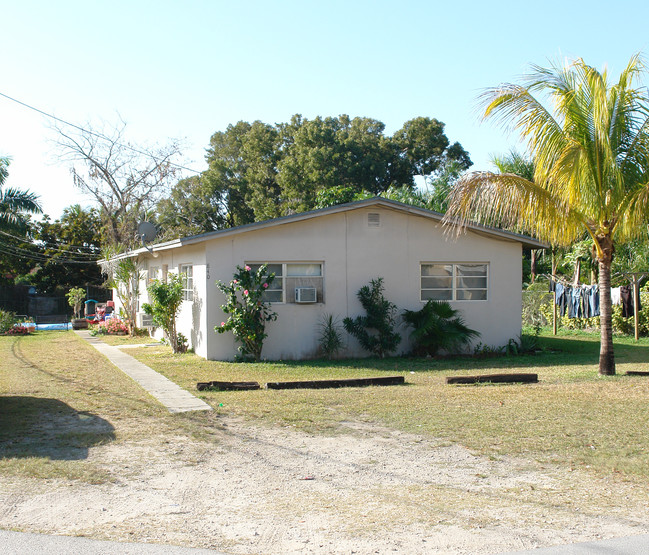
[(247, 312), (17, 330), (112, 326)]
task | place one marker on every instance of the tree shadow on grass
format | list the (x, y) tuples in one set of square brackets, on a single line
[(49, 428)]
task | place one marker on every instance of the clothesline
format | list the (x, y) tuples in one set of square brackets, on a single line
[(582, 301)]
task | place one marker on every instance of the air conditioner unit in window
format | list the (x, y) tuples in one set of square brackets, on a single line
[(144, 320), (306, 295)]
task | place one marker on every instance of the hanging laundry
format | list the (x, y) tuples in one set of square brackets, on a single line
[(561, 298), (593, 301), (615, 295), (626, 297), (575, 309)]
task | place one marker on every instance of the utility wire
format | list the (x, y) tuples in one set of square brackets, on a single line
[(17, 249), (93, 252), (37, 257), (94, 133)]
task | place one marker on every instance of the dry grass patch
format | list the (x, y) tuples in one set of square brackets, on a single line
[(59, 399), (572, 417)]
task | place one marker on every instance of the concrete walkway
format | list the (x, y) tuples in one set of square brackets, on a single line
[(164, 390)]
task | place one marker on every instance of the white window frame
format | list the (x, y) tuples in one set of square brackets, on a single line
[(454, 281), (188, 281), (284, 277), (153, 274)]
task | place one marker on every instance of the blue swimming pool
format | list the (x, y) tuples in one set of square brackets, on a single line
[(63, 326)]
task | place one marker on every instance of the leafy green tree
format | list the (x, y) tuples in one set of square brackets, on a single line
[(374, 331), (236, 157), (166, 299), (75, 298), (247, 311), (592, 167), (332, 196), (259, 171), (423, 149), (331, 152), (437, 326), (194, 206), (439, 185), (632, 256), (70, 248)]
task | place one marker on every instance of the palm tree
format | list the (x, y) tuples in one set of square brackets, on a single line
[(14, 203), (591, 174)]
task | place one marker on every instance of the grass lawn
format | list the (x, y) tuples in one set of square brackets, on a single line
[(572, 416), (59, 398)]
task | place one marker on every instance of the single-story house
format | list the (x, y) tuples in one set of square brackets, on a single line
[(323, 257)]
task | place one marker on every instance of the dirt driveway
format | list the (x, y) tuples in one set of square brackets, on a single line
[(252, 489)]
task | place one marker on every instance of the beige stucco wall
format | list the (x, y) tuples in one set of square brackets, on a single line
[(191, 321), (352, 253)]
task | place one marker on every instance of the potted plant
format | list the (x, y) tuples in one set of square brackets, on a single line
[(75, 298)]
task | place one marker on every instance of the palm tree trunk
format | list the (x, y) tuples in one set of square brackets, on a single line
[(606, 357)]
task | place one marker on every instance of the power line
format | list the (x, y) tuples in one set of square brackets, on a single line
[(24, 254), (93, 133), (93, 252)]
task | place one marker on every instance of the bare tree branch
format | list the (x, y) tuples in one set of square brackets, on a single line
[(124, 180)]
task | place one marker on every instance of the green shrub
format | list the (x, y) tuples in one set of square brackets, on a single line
[(166, 298), (375, 331), (75, 298), (248, 312), (7, 321), (437, 326)]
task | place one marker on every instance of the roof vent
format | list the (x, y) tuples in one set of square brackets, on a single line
[(373, 219)]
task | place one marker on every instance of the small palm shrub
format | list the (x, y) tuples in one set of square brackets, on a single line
[(437, 327), (331, 339), (375, 331)]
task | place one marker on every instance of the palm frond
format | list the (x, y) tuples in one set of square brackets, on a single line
[(15, 200), (510, 201)]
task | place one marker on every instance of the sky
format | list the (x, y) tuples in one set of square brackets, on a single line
[(184, 70)]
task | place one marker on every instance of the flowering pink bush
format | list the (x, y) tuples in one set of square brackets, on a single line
[(112, 326), (247, 312), (17, 330)]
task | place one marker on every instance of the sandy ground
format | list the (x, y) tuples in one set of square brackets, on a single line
[(367, 490)]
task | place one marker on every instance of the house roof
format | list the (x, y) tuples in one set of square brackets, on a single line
[(377, 202)]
